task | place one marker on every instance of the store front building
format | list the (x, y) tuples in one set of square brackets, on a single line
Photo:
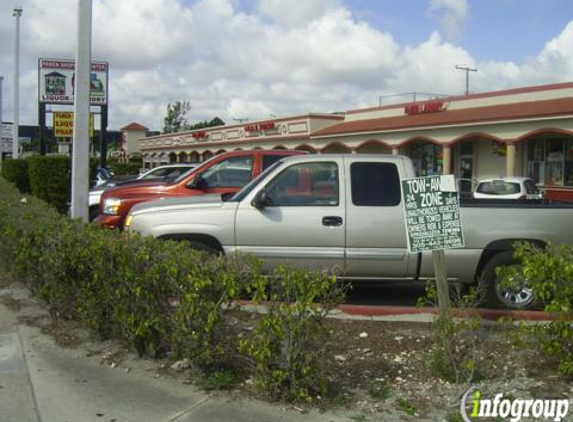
[(518, 132)]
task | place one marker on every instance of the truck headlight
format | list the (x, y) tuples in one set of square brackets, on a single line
[(111, 206)]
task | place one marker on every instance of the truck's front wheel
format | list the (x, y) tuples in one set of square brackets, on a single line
[(517, 296)]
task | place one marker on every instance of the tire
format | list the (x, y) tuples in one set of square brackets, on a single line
[(93, 213), (521, 297), (203, 247)]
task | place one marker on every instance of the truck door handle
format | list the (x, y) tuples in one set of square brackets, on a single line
[(332, 221)]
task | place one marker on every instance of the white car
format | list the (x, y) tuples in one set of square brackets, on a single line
[(507, 188), (166, 172)]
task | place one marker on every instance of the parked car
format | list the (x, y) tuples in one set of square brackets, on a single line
[(507, 188), (102, 176), (165, 173), (347, 212), (223, 174)]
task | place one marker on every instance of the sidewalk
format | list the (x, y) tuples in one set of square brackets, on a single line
[(42, 382)]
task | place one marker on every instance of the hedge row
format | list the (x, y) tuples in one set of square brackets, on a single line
[(159, 296), (45, 177)]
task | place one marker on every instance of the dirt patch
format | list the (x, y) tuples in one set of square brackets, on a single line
[(379, 370), (12, 303)]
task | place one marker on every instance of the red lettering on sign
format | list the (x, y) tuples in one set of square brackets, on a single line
[(428, 107), (200, 134), (257, 127)]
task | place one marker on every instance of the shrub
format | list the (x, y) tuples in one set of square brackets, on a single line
[(125, 168), (162, 295), (201, 327), (50, 180), (454, 354), (549, 272), (288, 343), (16, 171)]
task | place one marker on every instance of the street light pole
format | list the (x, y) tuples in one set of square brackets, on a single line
[(16, 123)]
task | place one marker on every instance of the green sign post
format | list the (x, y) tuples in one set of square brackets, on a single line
[(433, 223)]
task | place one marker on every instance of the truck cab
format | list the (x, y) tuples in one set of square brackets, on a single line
[(224, 173)]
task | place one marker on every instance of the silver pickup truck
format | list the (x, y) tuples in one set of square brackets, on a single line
[(346, 211)]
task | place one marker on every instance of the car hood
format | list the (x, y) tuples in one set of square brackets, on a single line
[(135, 185), (183, 202)]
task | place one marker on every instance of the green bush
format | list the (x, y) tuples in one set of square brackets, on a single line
[(454, 355), (158, 296), (16, 171), (288, 344), (120, 169), (549, 272), (50, 180), (201, 328)]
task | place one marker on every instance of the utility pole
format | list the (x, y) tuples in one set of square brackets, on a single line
[(467, 70), (80, 152), (16, 124)]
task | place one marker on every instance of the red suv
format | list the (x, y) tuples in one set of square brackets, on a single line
[(224, 173)]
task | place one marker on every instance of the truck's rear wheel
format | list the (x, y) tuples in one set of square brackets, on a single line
[(203, 247), (518, 296)]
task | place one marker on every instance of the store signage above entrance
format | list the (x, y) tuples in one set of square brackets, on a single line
[(200, 134), (56, 82), (427, 107), (432, 211), (258, 127)]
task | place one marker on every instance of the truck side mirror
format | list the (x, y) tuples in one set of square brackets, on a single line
[(198, 183), (261, 200)]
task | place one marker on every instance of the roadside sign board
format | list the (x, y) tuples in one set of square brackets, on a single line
[(56, 82), (432, 213), (64, 124)]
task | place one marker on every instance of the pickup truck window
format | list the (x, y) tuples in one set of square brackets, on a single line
[(307, 184), (375, 184), (269, 160), (229, 173)]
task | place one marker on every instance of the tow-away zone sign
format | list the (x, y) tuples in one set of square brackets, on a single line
[(432, 213)]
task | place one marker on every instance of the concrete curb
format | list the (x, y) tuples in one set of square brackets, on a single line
[(489, 314), (415, 314)]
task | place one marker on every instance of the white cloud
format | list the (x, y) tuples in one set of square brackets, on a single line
[(453, 17), (296, 12), (232, 64)]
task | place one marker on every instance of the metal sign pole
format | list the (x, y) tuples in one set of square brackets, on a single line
[(442, 284), (80, 154)]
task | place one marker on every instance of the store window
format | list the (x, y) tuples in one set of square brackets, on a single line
[(550, 161), (427, 158)]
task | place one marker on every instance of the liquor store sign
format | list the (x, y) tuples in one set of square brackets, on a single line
[(64, 124), (432, 213), (56, 79)]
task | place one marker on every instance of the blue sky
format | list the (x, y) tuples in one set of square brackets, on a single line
[(256, 58), (500, 30)]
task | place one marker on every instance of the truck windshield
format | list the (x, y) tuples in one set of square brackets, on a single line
[(249, 187)]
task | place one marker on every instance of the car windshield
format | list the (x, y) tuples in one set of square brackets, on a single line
[(498, 187), (180, 173), (249, 187), (202, 165)]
